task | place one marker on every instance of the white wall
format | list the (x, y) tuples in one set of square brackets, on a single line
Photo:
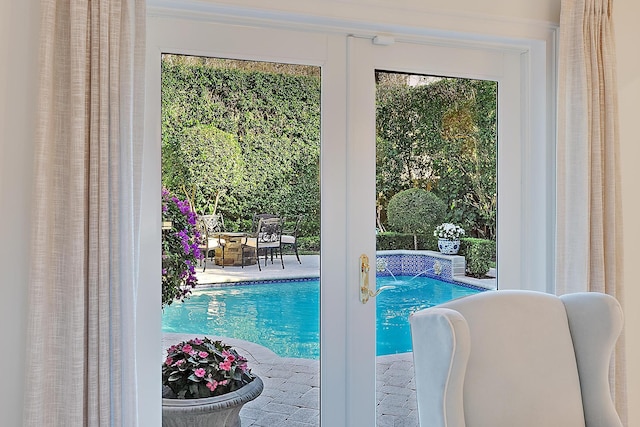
[(386, 11), (19, 20), (18, 79)]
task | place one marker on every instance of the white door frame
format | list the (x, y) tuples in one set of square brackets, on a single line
[(340, 388)]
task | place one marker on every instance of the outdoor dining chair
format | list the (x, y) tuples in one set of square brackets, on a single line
[(266, 239), (256, 220), (291, 237), (209, 225)]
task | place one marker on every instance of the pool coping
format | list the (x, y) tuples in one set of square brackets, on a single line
[(309, 268)]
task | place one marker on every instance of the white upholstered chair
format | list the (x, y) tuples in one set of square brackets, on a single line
[(516, 359)]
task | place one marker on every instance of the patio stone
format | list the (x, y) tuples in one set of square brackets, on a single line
[(306, 415), (280, 408)]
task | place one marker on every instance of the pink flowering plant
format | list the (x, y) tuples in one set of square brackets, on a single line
[(201, 368), (180, 248)]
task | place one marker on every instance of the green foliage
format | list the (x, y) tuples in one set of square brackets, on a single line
[(310, 244), (268, 124), (244, 137), (207, 163), (180, 249), (440, 136), (390, 240), (479, 255), (415, 211)]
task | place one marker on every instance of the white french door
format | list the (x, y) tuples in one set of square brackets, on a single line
[(216, 40), (347, 327), (365, 58)]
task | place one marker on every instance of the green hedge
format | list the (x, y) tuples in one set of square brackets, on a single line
[(479, 255), (309, 245), (269, 121), (390, 241)]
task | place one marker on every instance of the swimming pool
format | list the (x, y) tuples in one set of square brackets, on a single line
[(284, 316)]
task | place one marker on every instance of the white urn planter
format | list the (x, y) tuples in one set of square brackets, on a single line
[(448, 247), (217, 411)]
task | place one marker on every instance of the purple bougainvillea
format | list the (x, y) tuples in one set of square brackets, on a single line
[(180, 248)]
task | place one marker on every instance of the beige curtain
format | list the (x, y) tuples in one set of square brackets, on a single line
[(81, 335), (589, 226)]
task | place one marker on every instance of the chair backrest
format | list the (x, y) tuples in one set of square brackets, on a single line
[(257, 217), (296, 227), (212, 223), (507, 358), (269, 232)]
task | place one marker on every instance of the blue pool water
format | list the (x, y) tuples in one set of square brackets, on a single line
[(284, 316)]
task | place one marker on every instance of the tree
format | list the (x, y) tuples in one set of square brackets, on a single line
[(440, 134), (415, 211), (465, 160), (205, 164)]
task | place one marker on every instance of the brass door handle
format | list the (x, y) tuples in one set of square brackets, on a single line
[(365, 291)]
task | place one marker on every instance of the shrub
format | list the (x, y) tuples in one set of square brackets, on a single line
[(390, 241), (479, 254), (415, 211), (180, 249), (309, 244)]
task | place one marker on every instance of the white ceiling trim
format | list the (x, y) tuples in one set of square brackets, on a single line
[(403, 24)]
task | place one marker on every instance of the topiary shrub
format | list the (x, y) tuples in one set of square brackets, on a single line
[(479, 254), (415, 211)]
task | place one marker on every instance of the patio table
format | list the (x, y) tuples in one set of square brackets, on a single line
[(233, 247)]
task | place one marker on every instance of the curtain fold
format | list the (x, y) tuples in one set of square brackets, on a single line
[(589, 248), (86, 220)]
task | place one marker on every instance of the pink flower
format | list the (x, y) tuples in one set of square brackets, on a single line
[(243, 367), (223, 382), (187, 349), (179, 362), (200, 373), (203, 354), (225, 366), (169, 361), (212, 385), (196, 341)]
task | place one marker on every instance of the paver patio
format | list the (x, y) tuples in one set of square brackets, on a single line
[(291, 395)]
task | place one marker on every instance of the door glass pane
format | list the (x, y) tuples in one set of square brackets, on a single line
[(241, 147), (436, 163)]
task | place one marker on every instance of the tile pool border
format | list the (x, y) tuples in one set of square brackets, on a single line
[(446, 268), (253, 282)]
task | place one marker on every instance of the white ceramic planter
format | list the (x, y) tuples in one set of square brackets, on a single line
[(448, 247), (218, 411)]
